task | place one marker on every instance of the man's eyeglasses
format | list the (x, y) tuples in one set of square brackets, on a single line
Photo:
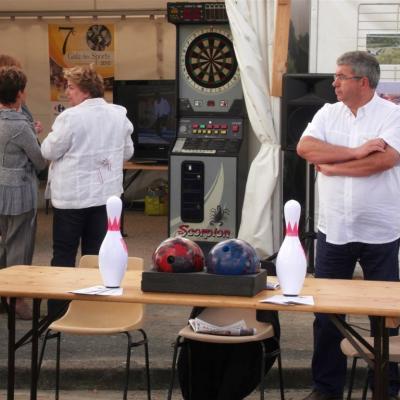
[(341, 77)]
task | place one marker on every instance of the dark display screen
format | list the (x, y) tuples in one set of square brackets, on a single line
[(151, 107)]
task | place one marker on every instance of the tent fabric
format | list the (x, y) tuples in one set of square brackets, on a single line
[(252, 33)]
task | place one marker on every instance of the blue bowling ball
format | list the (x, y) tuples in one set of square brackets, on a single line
[(233, 257)]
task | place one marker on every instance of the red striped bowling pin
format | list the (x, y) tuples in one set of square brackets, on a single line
[(113, 254), (291, 263)]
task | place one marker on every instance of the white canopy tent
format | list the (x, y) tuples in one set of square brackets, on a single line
[(252, 24)]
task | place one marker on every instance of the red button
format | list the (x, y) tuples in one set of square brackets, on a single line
[(235, 128)]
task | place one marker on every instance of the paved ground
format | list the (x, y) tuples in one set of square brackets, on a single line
[(291, 394)]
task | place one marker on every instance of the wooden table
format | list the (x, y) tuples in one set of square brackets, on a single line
[(358, 297), (139, 168)]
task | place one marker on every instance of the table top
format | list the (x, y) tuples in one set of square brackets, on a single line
[(330, 295), (129, 165)]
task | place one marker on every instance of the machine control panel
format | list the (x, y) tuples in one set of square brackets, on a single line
[(211, 128), (209, 136)]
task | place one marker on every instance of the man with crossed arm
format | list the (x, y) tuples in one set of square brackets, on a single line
[(355, 146)]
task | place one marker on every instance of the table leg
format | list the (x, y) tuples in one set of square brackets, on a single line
[(33, 336), (381, 352), (35, 345), (11, 348), (126, 186)]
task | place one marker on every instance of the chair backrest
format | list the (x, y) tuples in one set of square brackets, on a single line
[(92, 261), (89, 261), (99, 317)]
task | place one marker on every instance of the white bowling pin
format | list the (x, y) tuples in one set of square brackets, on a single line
[(291, 263), (113, 254)]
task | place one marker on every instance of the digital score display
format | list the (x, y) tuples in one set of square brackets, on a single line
[(195, 13), (192, 14)]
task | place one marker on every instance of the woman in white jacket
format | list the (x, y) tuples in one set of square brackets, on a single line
[(87, 146)]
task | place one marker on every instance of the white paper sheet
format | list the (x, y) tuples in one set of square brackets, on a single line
[(99, 291), (289, 300), (238, 328), (272, 285)]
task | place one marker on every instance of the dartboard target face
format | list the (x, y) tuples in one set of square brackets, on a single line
[(208, 61)]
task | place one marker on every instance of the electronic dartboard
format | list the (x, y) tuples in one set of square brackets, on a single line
[(208, 161), (209, 77), (208, 61)]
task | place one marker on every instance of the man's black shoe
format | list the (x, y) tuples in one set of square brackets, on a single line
[(315, 395)]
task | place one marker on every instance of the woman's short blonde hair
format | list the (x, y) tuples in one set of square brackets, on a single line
[(87, 79)]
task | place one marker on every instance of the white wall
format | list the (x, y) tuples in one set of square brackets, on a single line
[(333, 31), (338, 26)]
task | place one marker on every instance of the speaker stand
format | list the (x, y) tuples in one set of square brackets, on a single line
[(310, 235)]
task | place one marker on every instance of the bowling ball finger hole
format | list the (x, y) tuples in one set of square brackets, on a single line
[(225, 249), (170, 259)]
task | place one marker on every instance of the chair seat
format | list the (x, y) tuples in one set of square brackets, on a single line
[(394, 348), (227, 316), (264, 331), (222, 317), (99, 318)]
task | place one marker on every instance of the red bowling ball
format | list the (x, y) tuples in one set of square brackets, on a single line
[(178, 255)]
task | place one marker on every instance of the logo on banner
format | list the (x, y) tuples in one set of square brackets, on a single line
[(203, 233), (58, 108), (218, 215)]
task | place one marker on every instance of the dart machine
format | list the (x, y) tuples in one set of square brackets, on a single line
[(208, 162)]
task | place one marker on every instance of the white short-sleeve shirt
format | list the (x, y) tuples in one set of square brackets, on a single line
[(359, 209)]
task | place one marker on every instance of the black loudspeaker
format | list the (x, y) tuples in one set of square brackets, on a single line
[(302, 96)]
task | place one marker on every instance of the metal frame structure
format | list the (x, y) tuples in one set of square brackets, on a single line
[(114, 13)]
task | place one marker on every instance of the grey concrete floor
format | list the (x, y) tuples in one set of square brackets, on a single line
[(290, 394)]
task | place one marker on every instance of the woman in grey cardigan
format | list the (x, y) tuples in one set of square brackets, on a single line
[(20, 160)]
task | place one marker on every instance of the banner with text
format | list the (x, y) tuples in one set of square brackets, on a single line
[(79, 44)]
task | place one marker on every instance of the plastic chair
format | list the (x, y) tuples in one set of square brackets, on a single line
[(102, 318), (226, 316), (350, 351)]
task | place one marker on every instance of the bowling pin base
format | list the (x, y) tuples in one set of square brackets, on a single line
[(291, 295), (112, 287)]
